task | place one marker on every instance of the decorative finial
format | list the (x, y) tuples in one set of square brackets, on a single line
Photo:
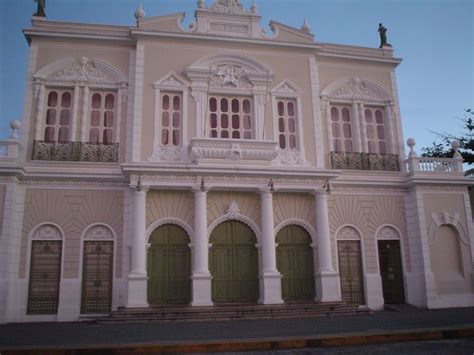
[(201, 4), (139, 13), (455, 145), (254, 7), (41, 7), (411, 143), (15, 126), (306, 27), (383, 36)]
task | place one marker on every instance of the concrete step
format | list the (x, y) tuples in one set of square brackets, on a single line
[(231, 312)]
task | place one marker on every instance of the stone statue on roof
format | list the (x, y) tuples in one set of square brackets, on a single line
[(383, 36), (40, 10), (227, 7)]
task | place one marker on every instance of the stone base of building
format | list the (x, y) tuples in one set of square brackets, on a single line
[(137, 291), (328, 287), (270, 288), (201, 290)]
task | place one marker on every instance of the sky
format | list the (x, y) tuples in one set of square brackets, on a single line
[(435, 39)]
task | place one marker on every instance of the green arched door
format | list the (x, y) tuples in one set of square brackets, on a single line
[(169, 266), (295, 263), (234, 263)]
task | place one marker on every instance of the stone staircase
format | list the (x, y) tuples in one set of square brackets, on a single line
[(231, 312)]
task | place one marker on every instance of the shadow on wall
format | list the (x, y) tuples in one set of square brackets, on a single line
[(471, 196)]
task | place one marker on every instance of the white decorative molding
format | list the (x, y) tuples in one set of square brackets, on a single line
[(301, 223), (230, 76), (47, 232), (355, 89), (81, 72), (348, 233), (317, 119), (99, 232), (174, 83), (233, 210), (447, 219), (169, 220), (232, 150), (388, 233), (232, 7), (235, 217), (286, 89), (290, 158)]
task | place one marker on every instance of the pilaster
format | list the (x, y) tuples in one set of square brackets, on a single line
[(327, 279), (137, 278), (201, 277)]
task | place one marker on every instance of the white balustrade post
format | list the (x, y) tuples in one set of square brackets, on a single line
[(201, 278), (270, 278), (137, 277), (327, 279)]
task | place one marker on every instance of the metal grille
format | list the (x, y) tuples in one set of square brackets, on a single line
[(391, 271), (365, 161), (97, 272), (75, 151), (45, 275), (350, 272)]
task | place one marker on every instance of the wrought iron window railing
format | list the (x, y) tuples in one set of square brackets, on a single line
[(365, 161), (75, 151)]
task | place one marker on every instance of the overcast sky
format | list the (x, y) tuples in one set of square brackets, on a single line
[(433, 37)]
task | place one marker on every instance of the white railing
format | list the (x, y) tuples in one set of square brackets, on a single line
[(9, 150), (445, 165), (469, 174)]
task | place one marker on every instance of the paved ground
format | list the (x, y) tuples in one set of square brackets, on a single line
[(91, 335)]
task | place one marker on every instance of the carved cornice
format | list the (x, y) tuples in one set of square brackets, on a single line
[(357, 90)]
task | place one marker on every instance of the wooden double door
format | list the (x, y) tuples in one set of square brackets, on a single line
[(233, 263), (169, 266), (295, 263)]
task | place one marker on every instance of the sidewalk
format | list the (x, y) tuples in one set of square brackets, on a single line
[(379, 327)]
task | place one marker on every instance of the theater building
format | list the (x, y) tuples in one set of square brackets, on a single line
[(219, 164)]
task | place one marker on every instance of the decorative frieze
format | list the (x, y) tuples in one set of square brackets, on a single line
[(232, 150), (47, 232), (75, 151)]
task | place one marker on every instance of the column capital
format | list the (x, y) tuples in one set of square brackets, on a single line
[(139, 189), (266, 191), (320, 193), (199, 190)]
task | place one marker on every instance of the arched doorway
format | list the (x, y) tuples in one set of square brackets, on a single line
[(350, 266), (169, 266), (234, 263), (296, 264)]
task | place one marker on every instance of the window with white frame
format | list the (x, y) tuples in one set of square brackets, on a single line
[(230, 117), (341, 124), (171, 118), (375, 129), (287, 123), (58, 116), (102, 117)]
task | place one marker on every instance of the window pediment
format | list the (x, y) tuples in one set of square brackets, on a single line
[(286, 88), (355, 89), (171, 81), (81, 71)]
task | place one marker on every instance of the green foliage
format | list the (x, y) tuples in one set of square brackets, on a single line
[(442, 149)]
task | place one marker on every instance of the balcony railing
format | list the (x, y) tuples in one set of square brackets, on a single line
[(469, 174), (365, 161), (75, 151)]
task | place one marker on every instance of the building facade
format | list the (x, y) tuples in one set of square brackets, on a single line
[(215, 164)]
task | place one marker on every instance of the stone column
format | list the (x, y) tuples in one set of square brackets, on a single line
[(201, 278), (327, 279), (40, 118), (270, 278), (84, 116), (363, 129), (356, 134), (137, 277)]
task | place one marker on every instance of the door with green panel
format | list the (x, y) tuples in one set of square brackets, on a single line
[(169, 266), (233, 263), (296, 264)]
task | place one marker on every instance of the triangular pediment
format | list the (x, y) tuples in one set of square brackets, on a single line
[(172, 79), (168, 23), (286, 87)]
